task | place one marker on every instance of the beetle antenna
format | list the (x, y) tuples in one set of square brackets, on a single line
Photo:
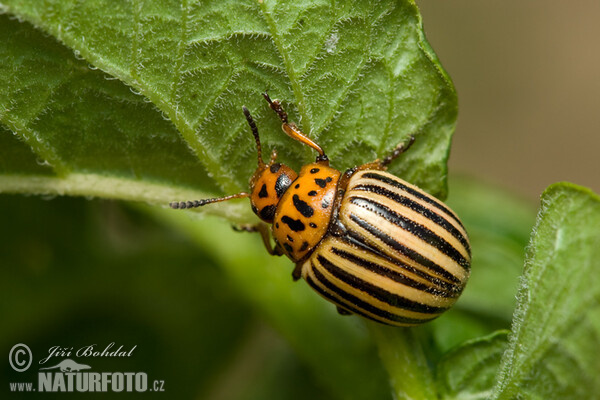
[(292, 130), (254, 129), (181, 205)]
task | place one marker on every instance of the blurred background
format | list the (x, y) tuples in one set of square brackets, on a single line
[(528, 80)]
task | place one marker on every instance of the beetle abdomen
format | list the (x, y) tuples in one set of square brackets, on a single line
[(404, 256)]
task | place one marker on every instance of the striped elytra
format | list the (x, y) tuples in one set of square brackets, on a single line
[(369, 242), (402, 257)]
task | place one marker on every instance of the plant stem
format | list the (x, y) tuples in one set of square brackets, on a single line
[(402, 354)]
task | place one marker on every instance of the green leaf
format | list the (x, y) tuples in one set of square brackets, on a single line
[(553, 348), (141, 100), (469, 371)]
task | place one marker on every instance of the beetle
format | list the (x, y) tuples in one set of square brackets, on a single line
[(366, 240)]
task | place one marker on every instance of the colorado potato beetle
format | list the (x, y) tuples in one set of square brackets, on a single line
[(369, 242)]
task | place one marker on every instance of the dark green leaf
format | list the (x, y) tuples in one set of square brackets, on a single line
[(356, 76)]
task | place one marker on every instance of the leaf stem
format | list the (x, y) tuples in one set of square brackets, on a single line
[(402, 354)]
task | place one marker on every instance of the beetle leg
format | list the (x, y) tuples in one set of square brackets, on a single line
[(297, 272), (265, 234), (343, 311), (401, 148), (293, 131), (380, 164), (244, 227), (273, 156)]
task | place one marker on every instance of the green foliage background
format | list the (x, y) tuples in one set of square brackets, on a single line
[(140, 100)]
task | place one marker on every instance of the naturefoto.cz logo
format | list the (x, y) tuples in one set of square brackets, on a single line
[(57, 373)]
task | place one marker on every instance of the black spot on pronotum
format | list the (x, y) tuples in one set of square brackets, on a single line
[(297, 186), (312, 225), (314, 170), (268, 212), (291, 239), (312, 193), (295, 224), (288, 248), (303, 207), (277, 225), (275, 167), (263, 192), (320, 182), (304, 246), (325, 203), (282, 184)]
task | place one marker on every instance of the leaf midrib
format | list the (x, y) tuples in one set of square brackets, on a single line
[(291, 73)]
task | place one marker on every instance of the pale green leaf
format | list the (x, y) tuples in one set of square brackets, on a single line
[(553, 347)]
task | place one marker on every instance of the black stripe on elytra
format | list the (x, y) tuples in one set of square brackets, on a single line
[(337, 301), (355, 304), (377, 292), (302, 207), (263, 191), (357, 240), (267, 213), (413, 227), (389, 273), (426, 198), (282, 184), (416, 207), (413, 255), (295, 224)]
